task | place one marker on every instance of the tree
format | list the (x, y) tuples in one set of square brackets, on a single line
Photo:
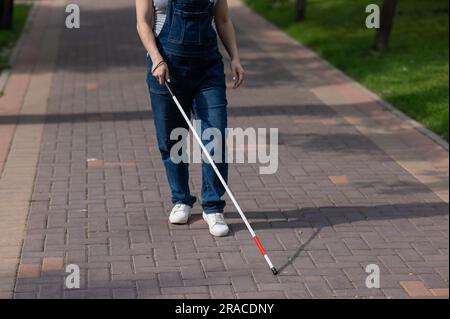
[(300, 8), (386, 22), (6, 14)]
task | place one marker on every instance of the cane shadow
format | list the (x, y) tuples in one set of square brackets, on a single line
[(325, 217), (299, 250), (198, 221)]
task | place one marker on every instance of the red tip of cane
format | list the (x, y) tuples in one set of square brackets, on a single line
[(260, 246)]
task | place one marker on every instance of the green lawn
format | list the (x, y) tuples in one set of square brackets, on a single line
[(413, 74), (9, 37)]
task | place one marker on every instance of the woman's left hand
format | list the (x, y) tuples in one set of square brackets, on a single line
[(238, 73)]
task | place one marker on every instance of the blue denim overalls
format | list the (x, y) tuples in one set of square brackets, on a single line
[(188, 43)]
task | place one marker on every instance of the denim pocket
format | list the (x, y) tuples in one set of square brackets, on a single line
[(190, 27)]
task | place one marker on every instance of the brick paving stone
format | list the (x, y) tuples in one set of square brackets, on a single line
[(440, 292), (392, 261), (243, 284), (170, 279), (297, 294), (433, 280), (339, 282), (395, 293), (214, 280), (113, 284), (338, 249), (23, 295), (263, 277), (443, 272), (52, 263), (211, 265), (261, 295), (233, 260), (185, 290), (351, 188), (222, 292), (50, 291), (197, 296), (124, 293), (319, 289), (193, 271), (358, 293), (321, 256), (97, 293), (121, 268), (29, 271), (168, 297), (148, 288), (415, 289)]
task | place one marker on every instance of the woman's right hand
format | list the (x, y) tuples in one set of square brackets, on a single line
[(161, 73)]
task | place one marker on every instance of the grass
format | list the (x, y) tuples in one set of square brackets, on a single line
[(413, 74), (8, 38)]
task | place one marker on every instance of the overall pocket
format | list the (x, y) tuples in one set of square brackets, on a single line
[(190, 25)]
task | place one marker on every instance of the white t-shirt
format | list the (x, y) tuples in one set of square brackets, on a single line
[(160, 15)]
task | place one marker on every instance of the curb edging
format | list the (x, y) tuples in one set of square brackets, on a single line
[(4, 75)]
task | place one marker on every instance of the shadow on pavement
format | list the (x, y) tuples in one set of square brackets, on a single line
[(138, 115), (320, 218)]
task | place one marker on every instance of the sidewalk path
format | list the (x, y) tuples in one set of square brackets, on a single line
[(356, 184)]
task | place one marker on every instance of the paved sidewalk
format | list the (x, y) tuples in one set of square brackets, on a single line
[(356, 184)]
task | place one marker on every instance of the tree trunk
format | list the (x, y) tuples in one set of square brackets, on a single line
[(386, 22), (6, 14), (300, 8)]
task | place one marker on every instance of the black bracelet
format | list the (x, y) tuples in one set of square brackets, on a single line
[(158, 65)]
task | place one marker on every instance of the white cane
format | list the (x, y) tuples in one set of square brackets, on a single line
[(208, 156)]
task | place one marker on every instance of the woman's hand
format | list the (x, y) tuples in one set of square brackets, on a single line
[(238, 73), (145, 19), (161, 72), (226, 32)]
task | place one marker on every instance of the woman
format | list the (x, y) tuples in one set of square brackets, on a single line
[(181, 40)]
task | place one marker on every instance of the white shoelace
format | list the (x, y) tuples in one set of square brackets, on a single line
[(219, 219), (177, 208)]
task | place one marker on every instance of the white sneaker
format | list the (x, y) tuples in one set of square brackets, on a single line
[(180, 214), (217, 225)]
